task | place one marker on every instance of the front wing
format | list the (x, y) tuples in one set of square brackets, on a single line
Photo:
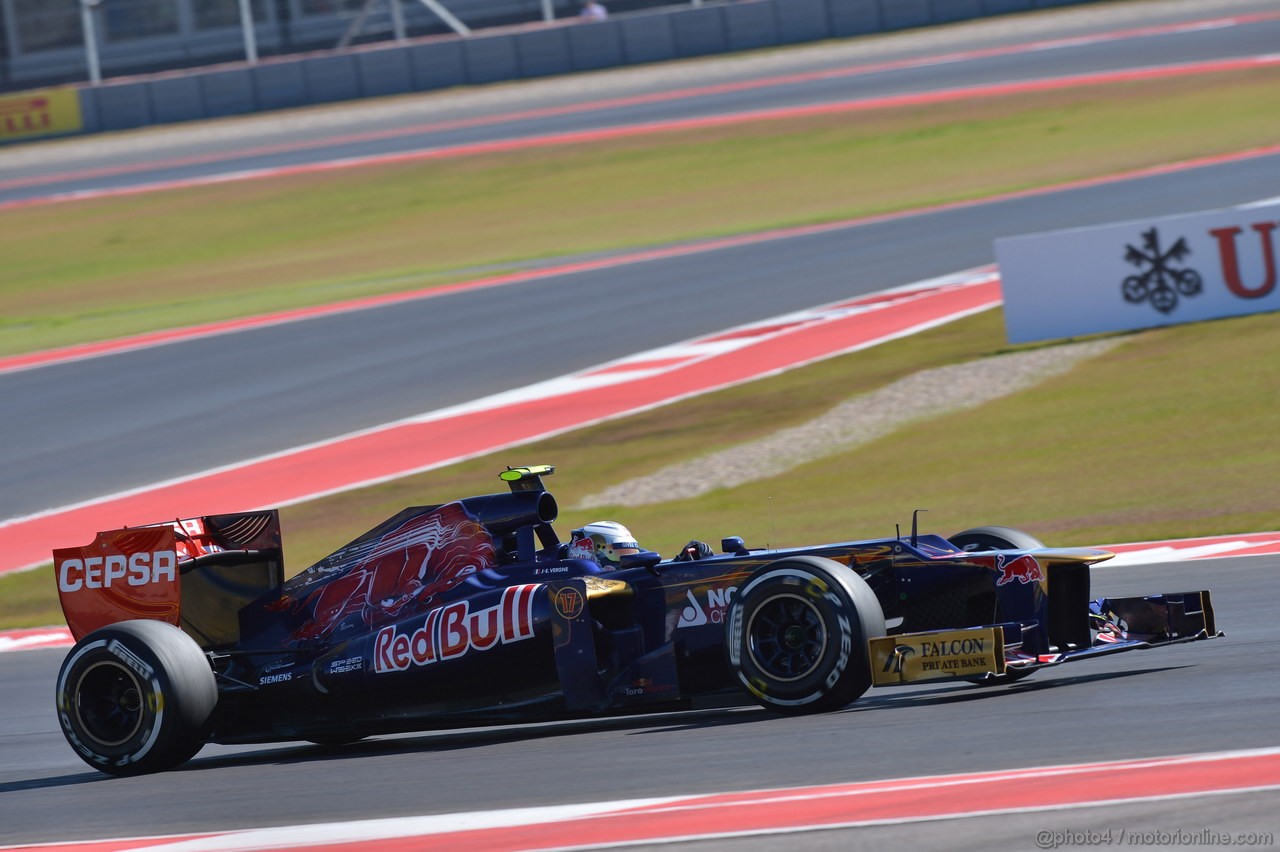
[(992, 653)]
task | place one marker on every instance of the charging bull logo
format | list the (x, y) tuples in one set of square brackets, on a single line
[(1024, 569), (402, 571), (582, 548), (453, 630)]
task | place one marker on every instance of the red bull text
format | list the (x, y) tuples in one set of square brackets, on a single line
[(451, 631)]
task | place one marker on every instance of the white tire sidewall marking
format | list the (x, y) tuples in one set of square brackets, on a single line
[(736, 630)]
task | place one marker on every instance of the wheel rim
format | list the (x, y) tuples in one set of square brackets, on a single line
[(109, 703), (786, 637)]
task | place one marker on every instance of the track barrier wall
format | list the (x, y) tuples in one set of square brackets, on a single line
[(562, 47)]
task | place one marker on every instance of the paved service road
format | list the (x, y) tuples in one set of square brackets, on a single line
[(1200, 697)]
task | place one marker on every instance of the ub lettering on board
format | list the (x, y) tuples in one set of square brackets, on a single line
[(1140, 274)]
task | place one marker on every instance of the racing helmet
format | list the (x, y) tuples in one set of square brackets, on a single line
[(612, 541)]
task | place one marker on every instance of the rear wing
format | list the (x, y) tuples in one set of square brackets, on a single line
[(193, 573)]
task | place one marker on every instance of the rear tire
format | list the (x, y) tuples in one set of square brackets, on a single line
[(135, 697), (796, 635)]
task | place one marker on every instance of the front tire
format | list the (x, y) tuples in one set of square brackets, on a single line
[(995, 538), (135, 697), (797, 633)]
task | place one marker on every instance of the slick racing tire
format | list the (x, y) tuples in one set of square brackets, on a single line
[(995, 538), (135, 697), (796, 635)]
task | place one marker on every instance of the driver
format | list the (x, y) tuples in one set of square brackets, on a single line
[(603, 542), (606, 542)]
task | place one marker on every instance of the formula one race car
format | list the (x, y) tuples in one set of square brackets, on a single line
[(475, 612)]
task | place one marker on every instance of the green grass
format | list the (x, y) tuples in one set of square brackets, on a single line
[(105, 268), (29, 599), (1171, 434)]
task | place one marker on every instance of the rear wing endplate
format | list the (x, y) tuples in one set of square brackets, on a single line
[(137, 572), (123, 574)]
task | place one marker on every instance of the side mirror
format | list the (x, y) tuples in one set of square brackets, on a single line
[(734, 544)]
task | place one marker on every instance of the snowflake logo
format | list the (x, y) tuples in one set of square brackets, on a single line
[(1161, 282)]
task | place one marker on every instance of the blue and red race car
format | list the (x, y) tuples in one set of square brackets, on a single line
[(474, 611)]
